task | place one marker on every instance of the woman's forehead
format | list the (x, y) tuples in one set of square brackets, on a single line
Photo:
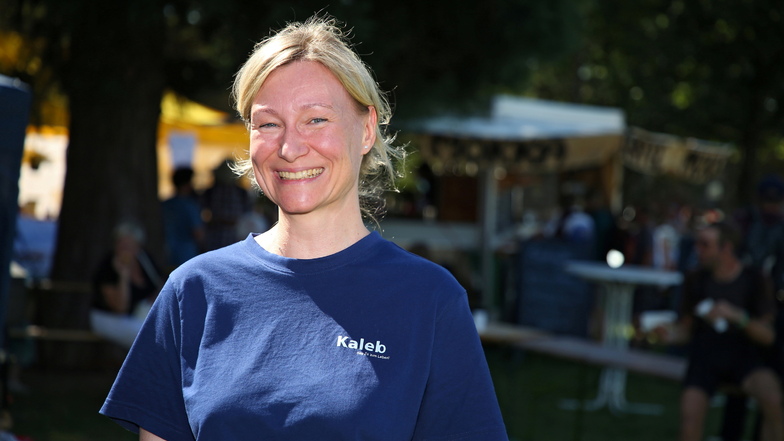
[(306, 79), (302, 77)]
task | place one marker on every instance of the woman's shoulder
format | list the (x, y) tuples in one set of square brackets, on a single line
[(407, 265), (220, 261), (396, 254)]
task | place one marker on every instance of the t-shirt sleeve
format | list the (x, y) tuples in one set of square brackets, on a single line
[(148, 390), (459, 403)]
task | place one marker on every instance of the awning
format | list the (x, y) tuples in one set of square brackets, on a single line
[(693, 160), (523, 135)]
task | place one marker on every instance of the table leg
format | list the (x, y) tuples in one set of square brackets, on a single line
[(617, 304)]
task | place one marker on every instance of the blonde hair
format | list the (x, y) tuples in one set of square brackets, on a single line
[(320, 39)]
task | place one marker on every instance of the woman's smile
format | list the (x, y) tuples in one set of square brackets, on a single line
[(300, 175)]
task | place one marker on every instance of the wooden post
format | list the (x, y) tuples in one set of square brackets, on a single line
[(489, 218)]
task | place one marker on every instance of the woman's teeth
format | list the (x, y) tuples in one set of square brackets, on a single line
[(304, 174)]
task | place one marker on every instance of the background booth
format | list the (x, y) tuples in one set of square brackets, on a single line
[(500, 177)]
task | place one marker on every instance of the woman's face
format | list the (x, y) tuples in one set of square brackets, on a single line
[(307, 138)]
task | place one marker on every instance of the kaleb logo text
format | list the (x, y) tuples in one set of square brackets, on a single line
[(361, 345)]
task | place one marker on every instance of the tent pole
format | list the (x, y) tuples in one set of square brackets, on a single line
[(489, 219)]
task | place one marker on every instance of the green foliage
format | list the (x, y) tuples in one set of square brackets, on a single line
[(663, 60), (454, 55), (700, 68), (430, 55), (435, 55)]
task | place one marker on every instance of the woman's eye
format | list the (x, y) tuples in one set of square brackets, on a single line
[(318, 120), (265, 125)]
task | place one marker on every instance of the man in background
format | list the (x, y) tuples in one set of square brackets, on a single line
[(727, 315), (183, 225)]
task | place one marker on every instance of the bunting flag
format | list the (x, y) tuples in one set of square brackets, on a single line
[(696, 161)]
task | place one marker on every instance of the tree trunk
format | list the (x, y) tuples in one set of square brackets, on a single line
[(114, 82)]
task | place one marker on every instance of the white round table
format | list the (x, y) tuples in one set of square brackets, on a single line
[(618, 286)]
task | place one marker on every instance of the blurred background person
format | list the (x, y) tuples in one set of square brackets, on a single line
[(762, 247), (604, 223), (762, 226), (665, 239), (183, 226), (665, 255), (125, 284), (727, 317), (223, 204), (576, 225), (254, 221)]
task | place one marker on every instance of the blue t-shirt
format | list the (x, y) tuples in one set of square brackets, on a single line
[(181, 215), (371, 343)]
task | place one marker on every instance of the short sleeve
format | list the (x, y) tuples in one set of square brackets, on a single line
[(148, 390), (459, 402)]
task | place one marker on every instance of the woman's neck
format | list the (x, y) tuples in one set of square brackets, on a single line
[(302, 238)]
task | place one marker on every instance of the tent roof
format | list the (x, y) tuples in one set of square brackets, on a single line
[(520, 119), (522, 135)]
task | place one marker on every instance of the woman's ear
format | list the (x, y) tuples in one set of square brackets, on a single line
[(369, 131)]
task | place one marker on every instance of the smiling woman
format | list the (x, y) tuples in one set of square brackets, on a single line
[(317, 328)]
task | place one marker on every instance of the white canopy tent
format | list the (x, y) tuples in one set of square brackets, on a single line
[(525, 135), (515, 119)]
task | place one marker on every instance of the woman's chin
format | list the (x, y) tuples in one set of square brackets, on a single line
[(296, 209)]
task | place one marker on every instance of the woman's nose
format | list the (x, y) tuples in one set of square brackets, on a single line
[(293, 146)]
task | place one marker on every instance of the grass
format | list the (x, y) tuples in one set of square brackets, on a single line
[(62, 405), (531, 388)]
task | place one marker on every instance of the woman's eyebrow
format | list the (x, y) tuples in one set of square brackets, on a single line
[(271, 111), (312, 105), (260, 110)]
